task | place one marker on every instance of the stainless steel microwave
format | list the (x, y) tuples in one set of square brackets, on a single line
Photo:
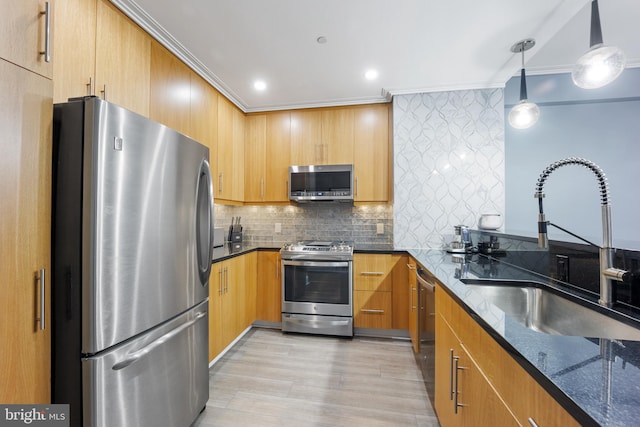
[(321, 183)]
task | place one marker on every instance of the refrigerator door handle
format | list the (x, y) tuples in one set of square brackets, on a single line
[(139, 354), (204, 212)]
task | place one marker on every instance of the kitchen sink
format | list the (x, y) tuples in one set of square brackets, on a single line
[(546, 311)]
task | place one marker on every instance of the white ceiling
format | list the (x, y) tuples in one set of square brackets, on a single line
[(416, 45)]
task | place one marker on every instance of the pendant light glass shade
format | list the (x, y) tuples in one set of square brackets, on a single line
[(524, 114), (598, 67), (601, 64)]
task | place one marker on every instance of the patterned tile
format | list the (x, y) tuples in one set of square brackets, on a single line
[(448, 163)]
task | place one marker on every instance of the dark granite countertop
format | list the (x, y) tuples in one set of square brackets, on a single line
[(228, 251), (570, 368)]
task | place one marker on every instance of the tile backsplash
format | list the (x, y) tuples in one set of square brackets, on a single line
[(448, 163), (325, 221)]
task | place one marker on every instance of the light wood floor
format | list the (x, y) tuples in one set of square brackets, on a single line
[(275, 379)]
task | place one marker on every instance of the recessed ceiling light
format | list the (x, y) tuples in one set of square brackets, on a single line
[(260, 85), (371, 74), (321, 40)]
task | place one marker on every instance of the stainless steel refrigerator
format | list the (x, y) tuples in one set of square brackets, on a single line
[(132, 248)]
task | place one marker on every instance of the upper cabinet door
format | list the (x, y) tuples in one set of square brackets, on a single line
[(278, 158), (27, 34), (337, 136), (371, 143), (254, 159), (170, 90), (122, 60), (74, 50), (306, 137)]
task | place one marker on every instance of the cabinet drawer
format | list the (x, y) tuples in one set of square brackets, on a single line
[(373, 272), (372, 309)]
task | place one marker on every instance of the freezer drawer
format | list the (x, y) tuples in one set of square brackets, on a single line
[(159, 379)]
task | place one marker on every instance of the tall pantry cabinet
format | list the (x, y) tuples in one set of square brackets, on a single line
[(26, 118)]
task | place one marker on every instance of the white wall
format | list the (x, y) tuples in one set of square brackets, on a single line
[(448, 163)]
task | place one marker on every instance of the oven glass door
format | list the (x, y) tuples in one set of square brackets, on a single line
[(317, 287)]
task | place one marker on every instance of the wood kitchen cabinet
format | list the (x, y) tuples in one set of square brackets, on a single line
[(267, 157), (204, 117), (306, 136), (373, 290), (492, 387), (371, 163), (100, 51), (269, 287), (463, 396), (229, 176), (255, 140), (337, 136), (232, 300), (170, 90), (320, 137), (24, 29), (26, 120)]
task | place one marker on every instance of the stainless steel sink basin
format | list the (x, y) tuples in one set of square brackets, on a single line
[(545, 311)]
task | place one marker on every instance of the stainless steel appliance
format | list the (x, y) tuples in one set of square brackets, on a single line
[(317, 287), (132, 248), (426, 330), (321, 183)]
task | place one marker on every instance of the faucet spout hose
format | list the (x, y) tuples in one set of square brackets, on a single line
[(602, 179)]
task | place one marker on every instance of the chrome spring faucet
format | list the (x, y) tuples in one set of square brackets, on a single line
[(607, 272)]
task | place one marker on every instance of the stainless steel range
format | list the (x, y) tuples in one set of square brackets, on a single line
[(317, 287)]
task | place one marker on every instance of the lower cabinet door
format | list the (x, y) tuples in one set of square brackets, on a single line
[(372, 309)]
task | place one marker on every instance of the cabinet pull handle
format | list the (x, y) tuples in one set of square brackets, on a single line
[(220, 182), (221, 285), (356, 187), (226, 280), (90, 88), (413, 307), (532, 422), (104, 92), (451, 374), (456, 392), (411, 266), (262, 188), (278, 260), (372, 273), (41, 279), (47, 32), (370, 310), (455, 384)]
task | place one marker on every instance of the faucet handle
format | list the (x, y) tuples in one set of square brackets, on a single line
[(618, 274)]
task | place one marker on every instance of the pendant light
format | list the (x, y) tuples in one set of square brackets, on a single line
[(601, 64), (524, 114)]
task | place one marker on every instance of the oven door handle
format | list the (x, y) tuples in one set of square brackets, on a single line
[(316, 263)]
